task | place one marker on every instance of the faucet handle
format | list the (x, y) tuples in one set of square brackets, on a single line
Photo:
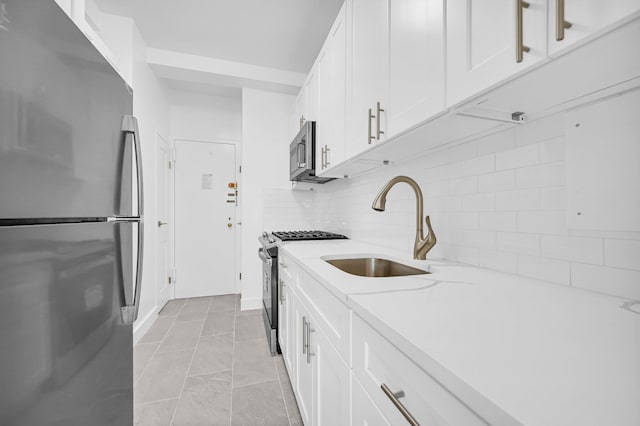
[(431, 236)]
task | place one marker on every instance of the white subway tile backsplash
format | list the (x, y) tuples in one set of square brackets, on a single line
[(497, 142), (543, 129), (542, 222), (554, 246), (555, 271), (586, 250), (553, 198), (498, 202), (497, 221), (552, 150), (541, 176), (479, 165), (499, 181), (523, 199), (479, 202), (519, 157), (518, 243), (467, 220), (466, 185), (619, 282), (499, 261), (622, 254)]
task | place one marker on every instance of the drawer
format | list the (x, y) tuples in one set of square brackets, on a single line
[(376, 361), (332, 316), (287, 269)]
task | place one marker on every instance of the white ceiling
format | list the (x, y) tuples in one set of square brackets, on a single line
[(282, 34)]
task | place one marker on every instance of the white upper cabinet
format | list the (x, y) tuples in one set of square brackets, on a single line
[(491, 40), (332, 97), (584, 18), (368, 52), (311, 90), (416, 63), (301, 107)]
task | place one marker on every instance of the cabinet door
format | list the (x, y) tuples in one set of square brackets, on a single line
[(416, 63), (369, 63), (332, 381), (324, 122), (363, 411), (311, 89), (332, 95), (481, 43), (304, 370), (587, 17)]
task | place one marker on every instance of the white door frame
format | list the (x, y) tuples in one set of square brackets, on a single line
[(238, 215), (171, 214)]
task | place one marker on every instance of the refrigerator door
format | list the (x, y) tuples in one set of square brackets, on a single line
[(67, 356), (63, 152)]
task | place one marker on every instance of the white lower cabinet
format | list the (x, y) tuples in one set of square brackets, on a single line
[(304, 374), (363, 411)]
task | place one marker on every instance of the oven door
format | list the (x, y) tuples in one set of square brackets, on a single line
[(267, 264)]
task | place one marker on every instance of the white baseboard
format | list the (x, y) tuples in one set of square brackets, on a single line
[(249, 304), (143, 325)]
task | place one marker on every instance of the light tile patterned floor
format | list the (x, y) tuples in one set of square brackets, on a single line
[(205, 362)]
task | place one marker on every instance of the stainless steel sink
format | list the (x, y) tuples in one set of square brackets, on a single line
[(375, 267)]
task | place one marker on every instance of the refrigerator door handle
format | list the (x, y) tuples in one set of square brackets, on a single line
[(130, 310)]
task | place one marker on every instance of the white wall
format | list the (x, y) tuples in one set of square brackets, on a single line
[(265, 166), (202, 117), (498, 202), (151, 107)]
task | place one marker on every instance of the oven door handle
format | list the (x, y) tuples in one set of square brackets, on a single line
[(264, 256)]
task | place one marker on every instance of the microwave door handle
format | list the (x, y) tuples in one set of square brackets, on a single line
[(301, 160)]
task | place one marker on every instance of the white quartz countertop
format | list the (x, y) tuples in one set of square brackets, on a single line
[(516, 350)]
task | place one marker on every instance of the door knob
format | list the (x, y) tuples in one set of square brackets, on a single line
[(161, 223), (229, 225)]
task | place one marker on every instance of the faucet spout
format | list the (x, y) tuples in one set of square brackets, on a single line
[(422, 245)]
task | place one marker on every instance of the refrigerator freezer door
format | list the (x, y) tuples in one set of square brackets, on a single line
[(67, 356), (62, 148)]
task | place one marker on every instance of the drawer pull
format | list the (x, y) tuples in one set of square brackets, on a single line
[(394, 397), (309, 353)]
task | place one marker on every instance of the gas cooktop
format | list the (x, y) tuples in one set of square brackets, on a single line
[(307, 235)]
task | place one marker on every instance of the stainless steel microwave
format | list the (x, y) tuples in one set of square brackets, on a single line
[(302, 156)]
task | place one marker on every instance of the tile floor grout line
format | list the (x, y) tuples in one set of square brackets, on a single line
[(156, 350), (233, 358), (186, 376), (284, 401)]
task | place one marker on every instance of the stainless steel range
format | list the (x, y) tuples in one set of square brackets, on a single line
[(268, 253)]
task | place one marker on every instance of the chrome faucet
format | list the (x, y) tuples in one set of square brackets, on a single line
[(422, 244)]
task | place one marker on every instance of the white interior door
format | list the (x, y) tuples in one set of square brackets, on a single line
[(163, 170), (205, 218)]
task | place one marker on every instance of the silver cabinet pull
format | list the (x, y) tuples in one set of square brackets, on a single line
[(161, 223), (281, 290), (520, 46), (302, 120), (561, 24), (371, 117), (327, 150), (378, 118), (309, 353), (394, 397), (324, 157), (304, 335)]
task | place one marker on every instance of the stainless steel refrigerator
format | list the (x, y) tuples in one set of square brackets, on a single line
[(70, 225)]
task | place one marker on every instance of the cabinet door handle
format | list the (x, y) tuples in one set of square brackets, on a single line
[(378, 117), (561, 24), (394, 397), (324, 157), (281, 290), (520, 46), (371, 117), (327, 150), (309, 353), (302, 120), (304, 335)]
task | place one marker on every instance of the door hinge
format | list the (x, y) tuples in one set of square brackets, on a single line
[(169, 165), (240, 275), (169, 279), (239, 169)]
